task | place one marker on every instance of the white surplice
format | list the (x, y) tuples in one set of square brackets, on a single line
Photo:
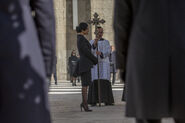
[(104, 63)]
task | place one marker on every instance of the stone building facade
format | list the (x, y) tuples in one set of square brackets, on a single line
[(66, 35)]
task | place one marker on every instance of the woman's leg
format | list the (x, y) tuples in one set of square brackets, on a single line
[(71, 79), (84, 95), (74, 81), (84, 98)]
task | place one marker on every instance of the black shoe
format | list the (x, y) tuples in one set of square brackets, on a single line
[(86, 108), (55, 83)]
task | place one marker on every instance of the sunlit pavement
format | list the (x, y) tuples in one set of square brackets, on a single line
[(65, 106)]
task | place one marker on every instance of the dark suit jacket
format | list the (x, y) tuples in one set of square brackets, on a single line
[(25, 45), (87, 59), (150, 34)]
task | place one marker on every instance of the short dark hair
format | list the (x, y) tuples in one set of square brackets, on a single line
[(99, 27), (74, 51), (81, 27)]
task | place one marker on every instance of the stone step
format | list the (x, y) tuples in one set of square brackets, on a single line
[(66, 81), (67, 88), (76, 87)]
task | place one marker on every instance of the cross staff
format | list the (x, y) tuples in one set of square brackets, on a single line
[(96, 21)]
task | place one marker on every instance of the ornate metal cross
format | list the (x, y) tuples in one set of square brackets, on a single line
[(96, 21)]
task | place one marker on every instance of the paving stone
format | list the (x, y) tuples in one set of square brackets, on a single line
[(65, 108)]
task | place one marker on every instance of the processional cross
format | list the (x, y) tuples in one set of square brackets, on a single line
[(96, 21)]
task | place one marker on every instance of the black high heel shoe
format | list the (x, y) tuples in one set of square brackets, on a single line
[(86, 109)]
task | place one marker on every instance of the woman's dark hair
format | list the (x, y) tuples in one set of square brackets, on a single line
[(82, 27), (74, 51)]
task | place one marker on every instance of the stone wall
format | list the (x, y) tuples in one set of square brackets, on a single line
[(60, 14), (105, 10), (84, 11), (83, 16)]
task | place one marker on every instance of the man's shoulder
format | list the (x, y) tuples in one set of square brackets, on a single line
[(79, 37), (105, 40), (91, 41)]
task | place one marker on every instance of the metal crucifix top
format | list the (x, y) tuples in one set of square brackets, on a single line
[(96, 21)]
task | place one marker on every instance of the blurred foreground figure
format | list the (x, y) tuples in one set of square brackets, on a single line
[(150, 35), (112, 59), (25, 45)]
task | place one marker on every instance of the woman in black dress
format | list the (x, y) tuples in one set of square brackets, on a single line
[(72, 62), (86, 62)]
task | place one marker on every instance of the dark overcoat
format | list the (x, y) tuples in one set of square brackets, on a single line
[(54, 65), (72, 63), (87, 59), (23, 43), (151, 34), (113, 62)]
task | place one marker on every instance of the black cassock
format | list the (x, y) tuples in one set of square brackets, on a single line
[(105, 93)]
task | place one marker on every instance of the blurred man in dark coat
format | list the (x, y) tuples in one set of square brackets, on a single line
[(27, 48), (150, 34), (112, 59), (54, 73)]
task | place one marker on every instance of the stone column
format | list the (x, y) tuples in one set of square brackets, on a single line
[(66, 35), (84, 9), (61, 51), (105, 10)]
